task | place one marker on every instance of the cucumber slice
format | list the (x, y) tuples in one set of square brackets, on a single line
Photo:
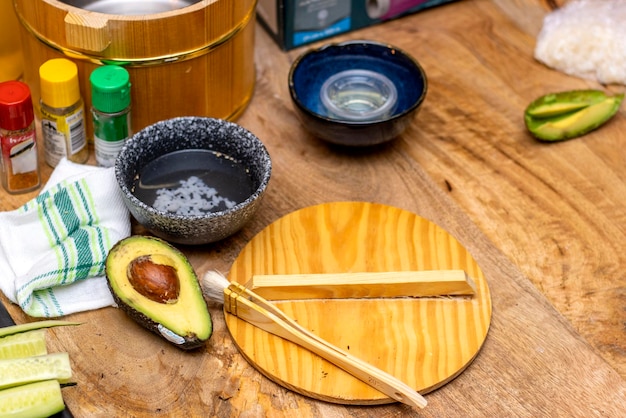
[(24, 344), (16, 372), (15, 329), (40, 399)]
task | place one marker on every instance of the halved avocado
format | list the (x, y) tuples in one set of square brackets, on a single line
[(155, 284)]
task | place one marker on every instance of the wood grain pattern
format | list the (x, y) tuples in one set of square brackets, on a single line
[(423, 342), (544, 222)]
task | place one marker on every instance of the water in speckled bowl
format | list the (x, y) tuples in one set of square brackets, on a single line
[(193, 180)]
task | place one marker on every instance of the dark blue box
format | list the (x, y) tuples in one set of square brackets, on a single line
[(299, 22)]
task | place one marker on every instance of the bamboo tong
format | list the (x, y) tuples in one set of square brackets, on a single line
[(249, 306), (246, 305)]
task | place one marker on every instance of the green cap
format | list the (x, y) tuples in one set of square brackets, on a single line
[(110, 88)]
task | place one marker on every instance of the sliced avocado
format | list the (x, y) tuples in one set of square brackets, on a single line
[(576, 122), (155, 284), (555, 104)]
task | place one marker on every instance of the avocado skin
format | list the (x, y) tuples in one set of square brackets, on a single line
[(188, 340)]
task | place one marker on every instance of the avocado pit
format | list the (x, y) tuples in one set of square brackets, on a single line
[(156, 281)]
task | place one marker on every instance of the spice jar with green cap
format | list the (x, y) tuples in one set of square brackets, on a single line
[(110, 108), (62, 112)]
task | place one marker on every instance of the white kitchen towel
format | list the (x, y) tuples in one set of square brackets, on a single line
[(53, 249)]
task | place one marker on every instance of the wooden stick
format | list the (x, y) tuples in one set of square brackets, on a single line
[(363, 285)]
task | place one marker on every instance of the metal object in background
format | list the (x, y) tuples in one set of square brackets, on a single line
[(125, 7)]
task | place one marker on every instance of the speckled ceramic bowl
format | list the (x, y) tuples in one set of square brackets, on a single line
[(221, 137), (357, 93)]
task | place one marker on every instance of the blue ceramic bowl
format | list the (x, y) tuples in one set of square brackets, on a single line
[(188, 138), (387, 72)]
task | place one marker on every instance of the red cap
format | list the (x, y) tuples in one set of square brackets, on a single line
[(16, 106)]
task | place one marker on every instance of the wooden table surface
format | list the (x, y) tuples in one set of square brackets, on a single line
[(546, 223)]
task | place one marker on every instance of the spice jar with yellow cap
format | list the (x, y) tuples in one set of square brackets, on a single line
[(62, 112)]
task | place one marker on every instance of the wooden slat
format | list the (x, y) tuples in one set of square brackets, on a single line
[(387, 284)]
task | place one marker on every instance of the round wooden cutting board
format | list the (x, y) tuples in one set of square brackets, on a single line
[(425, 342)]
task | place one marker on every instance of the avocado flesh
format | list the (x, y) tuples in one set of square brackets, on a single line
[(556, 109), (185, 321), (575, 123), (555, 104)]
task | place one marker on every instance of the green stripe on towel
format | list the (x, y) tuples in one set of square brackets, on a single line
[(69, 219)]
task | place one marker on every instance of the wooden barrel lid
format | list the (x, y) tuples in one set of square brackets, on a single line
[(425, 342)]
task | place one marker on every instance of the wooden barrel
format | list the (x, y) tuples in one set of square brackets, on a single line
[(196, 60)]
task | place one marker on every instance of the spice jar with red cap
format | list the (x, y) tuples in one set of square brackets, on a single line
[(18, 139)]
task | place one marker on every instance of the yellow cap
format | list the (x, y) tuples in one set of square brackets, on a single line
[(59, 83)]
